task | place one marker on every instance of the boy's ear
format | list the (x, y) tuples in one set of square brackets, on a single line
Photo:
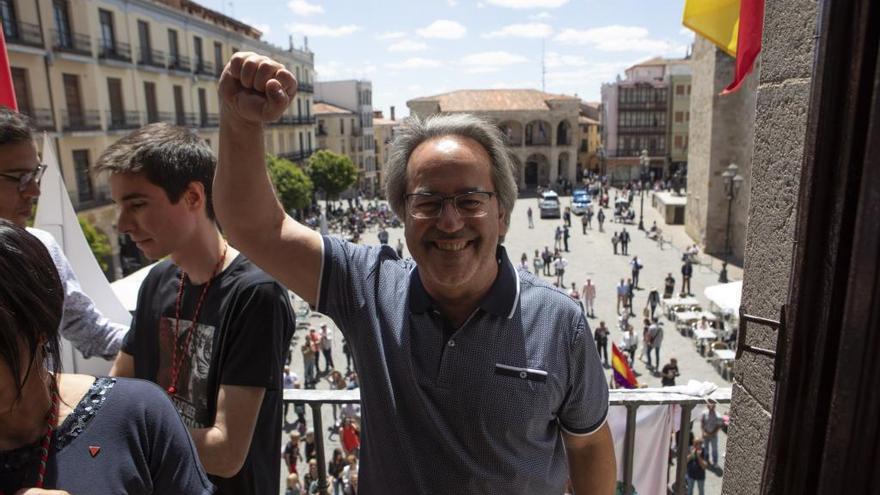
[(194, 195)]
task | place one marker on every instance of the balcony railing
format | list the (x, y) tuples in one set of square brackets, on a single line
[(41, 118), (641, 105), (204, 67), (630, 399), (100, 196), (207, 120), (23, 33), (179, 62), (305, 87), (82, 120), (123, 119), (115, 51), (79, 44), (153, 58), (160, 117), (297, 155), (186, 119), (641, 130)]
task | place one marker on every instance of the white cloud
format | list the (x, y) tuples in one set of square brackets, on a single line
[(443, 29), (322, 30), (493, 59), (415, 63), (407, 46), (529, 4), (554, 59), (304, 8), (335, 70), (452, 3), (541, 16), (482, 70), (618, 38), (531, 30), (390, 35)]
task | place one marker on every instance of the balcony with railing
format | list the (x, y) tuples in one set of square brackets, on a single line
[(304, 87), (80, 120), (151, 58), (69, 42), (641, 105), (123, 119), (630, 400), (297, 155), (643, 129), (205, 68), (22, 33), (179, 62), (95, 198), (41, 119), (186, 119), (118, 51), (209, 120), (167, 117)]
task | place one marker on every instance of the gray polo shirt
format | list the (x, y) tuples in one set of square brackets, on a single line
[(477, 409)]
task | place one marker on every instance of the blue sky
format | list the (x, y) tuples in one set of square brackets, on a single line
[(412, 48)]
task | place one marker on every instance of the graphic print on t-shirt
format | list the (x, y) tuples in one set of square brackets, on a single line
[(191, 398)]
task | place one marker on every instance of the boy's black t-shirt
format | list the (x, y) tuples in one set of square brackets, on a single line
[(243, 330)]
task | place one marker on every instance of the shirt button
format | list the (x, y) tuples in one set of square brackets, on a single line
[(523, 375), (451, 343)]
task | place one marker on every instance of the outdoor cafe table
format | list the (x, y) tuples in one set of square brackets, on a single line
[(723, 358), (702, 336), (669, 305)]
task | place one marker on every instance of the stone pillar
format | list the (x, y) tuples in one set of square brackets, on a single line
[(780, 128)]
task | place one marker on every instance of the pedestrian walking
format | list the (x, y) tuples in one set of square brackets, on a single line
[(669, 372), (614, 240), (624, 241), (630, 294), (574, 293), (636, 267), (566, 217), (655, 331), (531, 220), (695, 473), (600, 217), (668, 286), (548, 260), (653, 301), (399, 248), (710, 423), (630, 343), (584, 223), (327, 346), (687, 270), (588, 294), (588, 215), (621, 295), (557, 238), (601, 338), (559, 265), (524, 262), (565, 236), (538, 263)]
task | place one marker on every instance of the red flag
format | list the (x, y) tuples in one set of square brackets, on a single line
[(748, 40), (7, 92)]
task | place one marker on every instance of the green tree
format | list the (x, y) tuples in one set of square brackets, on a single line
[(332, 172), (99, 244), (294, 187)]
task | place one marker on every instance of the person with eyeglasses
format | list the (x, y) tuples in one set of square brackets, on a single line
[(490, 366), (82, 324)]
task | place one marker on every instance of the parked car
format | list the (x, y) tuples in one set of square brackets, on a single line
[(580, 200), (549, 205)]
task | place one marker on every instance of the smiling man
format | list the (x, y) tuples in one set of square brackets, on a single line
[(475, 378), (20, 173), (210, 327)]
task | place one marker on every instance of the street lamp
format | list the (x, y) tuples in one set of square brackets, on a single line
[(644, 162), (732, 182)]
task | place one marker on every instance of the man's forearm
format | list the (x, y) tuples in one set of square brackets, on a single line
[(245, 201), (593, 469), (212, 445)]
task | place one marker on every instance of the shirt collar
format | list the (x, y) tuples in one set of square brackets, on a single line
[(501, 300)]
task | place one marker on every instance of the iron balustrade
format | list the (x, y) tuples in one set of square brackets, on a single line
[(186, 119), (630, 399), (204, 67), (123, 119), (167, 117), (207, 120), (70, 42), (179, 62), (151, 57), (80, 120), (305, 87), (115, 51), (41, 118), (23, 33)]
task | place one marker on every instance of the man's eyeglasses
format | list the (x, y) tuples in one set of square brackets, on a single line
[(468, 205), (26, 179)]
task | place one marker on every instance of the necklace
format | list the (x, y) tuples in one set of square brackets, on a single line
[(51, 424), (178, 352)]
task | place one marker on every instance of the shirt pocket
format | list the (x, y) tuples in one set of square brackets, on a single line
[(518, 395)]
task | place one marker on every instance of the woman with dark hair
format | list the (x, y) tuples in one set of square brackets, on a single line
[(75, 433)]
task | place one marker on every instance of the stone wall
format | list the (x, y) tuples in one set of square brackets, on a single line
[(780, 128), (721, 133)]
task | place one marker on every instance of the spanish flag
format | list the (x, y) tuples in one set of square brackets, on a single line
[(623, 374)]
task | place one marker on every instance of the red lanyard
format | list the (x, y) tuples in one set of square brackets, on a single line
[(51, 423), (177, 353)]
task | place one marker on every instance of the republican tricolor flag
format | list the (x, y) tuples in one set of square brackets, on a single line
[(7, 92), (623, 374)]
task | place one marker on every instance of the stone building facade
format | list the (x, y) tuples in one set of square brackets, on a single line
[(721, 133), (541, 128), (89, 72), (355, 96), (383, 130)]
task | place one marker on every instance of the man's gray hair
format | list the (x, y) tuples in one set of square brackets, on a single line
[(414, 132)]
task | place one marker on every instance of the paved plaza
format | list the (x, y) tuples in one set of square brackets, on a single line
[(591, 256)]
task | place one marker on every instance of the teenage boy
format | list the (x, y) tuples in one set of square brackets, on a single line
[(210, 328)]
